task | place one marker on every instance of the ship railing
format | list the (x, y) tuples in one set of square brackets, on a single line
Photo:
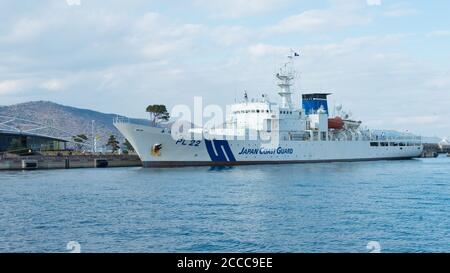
[(120, 119), (399, 139), (408, 139)]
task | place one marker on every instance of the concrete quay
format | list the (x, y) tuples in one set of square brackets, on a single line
[(39, 162)]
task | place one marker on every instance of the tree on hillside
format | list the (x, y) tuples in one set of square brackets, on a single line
[(128, 146), (79, 140), (113, 143), (158, 113)]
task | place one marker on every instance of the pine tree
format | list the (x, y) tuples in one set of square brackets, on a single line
[(79, 140), (128, 145), (113, 143), (158, 113)]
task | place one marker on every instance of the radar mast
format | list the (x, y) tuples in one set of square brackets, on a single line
[(285, 77)]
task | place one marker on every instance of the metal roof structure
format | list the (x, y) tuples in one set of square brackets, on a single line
[(22, 126), (8, 132)]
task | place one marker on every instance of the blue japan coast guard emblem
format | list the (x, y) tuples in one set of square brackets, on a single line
[(219, 151)]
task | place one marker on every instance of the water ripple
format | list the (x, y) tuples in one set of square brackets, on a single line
[(336, 207)]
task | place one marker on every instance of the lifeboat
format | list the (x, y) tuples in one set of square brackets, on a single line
[(352, 124), (335, 123)]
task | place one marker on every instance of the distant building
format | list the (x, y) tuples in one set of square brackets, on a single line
[(444, 144), (16, 142)]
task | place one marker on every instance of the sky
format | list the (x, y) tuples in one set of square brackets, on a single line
[(385, 61)]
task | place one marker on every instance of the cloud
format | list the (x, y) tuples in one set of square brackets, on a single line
[(373, 2), (88, 55), (53, 85), (24, 30), (239, 8), (347, 46), (10, 86), (260, 50), (341, 14), (31, 85), (73, 2), (440, 81), (99, 40), (439, 34), (155, 36), (400, 10), (416, 120), (365, 51), (231, 35)]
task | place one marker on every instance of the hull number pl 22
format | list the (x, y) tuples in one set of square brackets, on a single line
[(194, 143)]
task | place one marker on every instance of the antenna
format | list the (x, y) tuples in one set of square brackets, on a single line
[(93, 136), (286, 75)]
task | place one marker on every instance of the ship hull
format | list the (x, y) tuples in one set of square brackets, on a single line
[(203, 152)]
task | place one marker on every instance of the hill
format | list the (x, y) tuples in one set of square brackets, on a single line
[(66, 121)]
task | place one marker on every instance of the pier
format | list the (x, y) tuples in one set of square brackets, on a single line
[(433, 150), (40, 162)]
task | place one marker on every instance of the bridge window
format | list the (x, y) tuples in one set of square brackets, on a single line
[(374, 144)]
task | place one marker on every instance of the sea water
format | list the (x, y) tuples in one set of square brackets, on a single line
[(403, 206)]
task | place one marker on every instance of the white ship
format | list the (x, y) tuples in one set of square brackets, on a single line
[(263, 132)]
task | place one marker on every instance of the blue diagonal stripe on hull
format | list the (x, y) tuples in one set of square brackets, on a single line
[(222, 150)]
